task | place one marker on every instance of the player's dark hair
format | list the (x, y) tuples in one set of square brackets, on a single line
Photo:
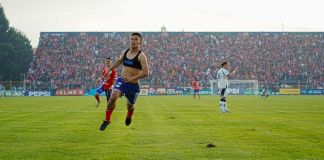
[(224, 63), (108, 58), (137, 34)]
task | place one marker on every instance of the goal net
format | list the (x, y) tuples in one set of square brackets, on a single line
[(238, 87)]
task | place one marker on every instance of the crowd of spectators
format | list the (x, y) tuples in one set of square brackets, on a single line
[(176, 58)]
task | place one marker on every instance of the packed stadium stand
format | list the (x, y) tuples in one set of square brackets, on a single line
[(176, 58)]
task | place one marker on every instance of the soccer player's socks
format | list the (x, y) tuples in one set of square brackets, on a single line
[(130, 113), (108, 114), (225, 106), (97, 98), (222, 106)]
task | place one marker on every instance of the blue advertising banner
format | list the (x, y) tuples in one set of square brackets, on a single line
[(38, 93), (11, 93), (312, 91), (179, 91), (202, 92)]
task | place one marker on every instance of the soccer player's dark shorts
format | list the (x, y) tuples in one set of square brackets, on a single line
[(100, 89), (196, 91), (129, 90), (108, 92)]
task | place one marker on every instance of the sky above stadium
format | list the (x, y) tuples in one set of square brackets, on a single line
[(35, 16)]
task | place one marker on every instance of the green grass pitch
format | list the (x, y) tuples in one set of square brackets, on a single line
[(164, 127)]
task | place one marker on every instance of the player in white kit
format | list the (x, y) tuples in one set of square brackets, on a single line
[(222, 78)]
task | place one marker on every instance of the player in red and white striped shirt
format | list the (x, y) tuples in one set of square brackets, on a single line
[(195, 86), (105, 84)]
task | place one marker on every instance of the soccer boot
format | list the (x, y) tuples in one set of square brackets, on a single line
[(104, 125), (128, 121)]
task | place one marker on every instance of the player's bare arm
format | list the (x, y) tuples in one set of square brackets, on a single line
[(118, 62), (115, 65)]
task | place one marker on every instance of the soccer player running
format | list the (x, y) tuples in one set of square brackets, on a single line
[(105, 85), (195, 86), (134, 68), (222, 78), (265, 93)]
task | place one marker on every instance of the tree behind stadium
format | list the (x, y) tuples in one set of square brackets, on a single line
[(15, 51)]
